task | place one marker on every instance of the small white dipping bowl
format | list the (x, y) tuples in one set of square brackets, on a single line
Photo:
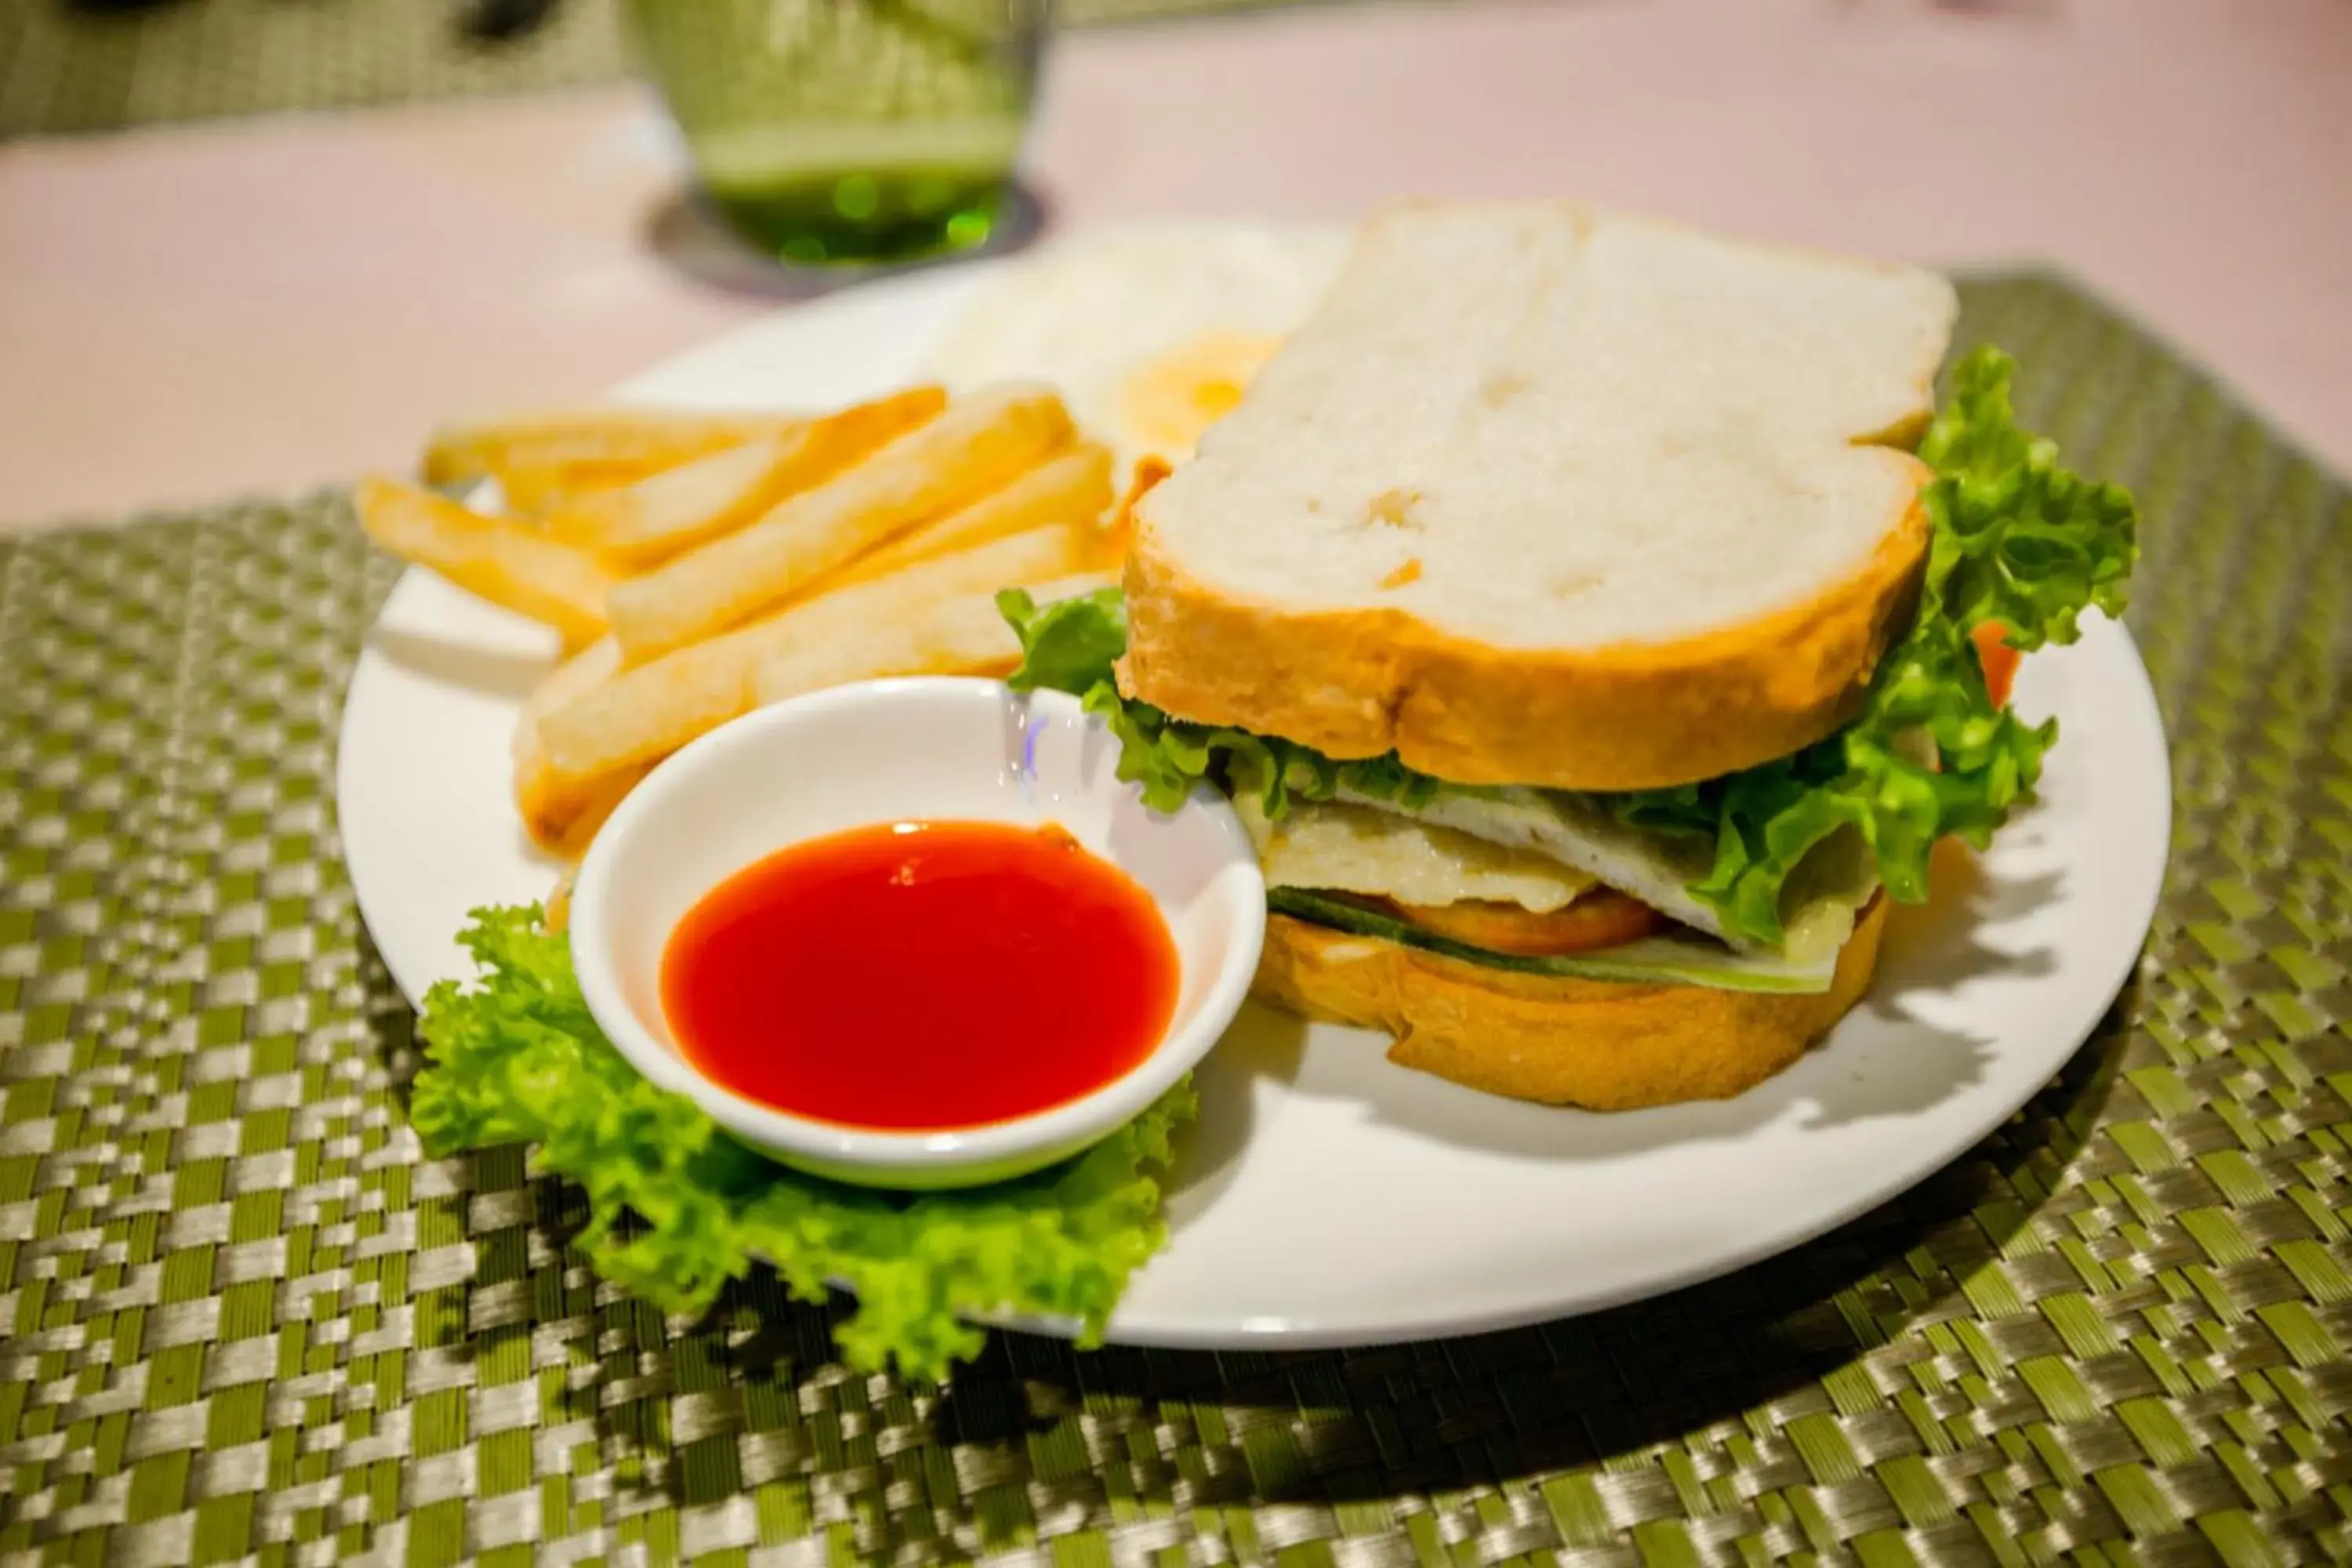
[(888, 751)]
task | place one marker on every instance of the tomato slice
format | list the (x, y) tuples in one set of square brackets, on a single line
[(1999, 659), (1601, 918)]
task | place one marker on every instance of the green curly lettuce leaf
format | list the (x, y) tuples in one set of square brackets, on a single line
[(2014, 538), (1072, 644), (677, 1208)]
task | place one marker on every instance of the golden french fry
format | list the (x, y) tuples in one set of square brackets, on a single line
[(536, 489), (508, 563), (562, 815), (654, 709), (963, 635), (557, 915), (593, 666), (696, 500), (1072, 487), (640, 525), (976, 447), (650, 439)]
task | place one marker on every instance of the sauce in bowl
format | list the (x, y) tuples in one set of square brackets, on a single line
[(921, 976)]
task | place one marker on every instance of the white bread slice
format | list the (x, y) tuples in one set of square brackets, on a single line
[(1542, 495), (1591, 1042)]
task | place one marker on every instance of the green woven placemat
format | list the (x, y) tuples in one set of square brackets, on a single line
[(246, 1319), (63, 69)]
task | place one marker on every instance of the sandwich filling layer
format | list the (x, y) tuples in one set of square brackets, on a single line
[(1346, 846)]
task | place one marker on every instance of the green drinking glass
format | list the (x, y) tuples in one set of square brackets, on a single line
[(850, 131)]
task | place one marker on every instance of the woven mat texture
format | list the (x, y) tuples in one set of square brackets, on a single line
[(65, 69), (245, 1320)]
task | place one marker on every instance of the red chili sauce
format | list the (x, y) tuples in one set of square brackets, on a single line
[(921, 976)]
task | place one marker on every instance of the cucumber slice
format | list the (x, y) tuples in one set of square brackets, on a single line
[(1654, 959)]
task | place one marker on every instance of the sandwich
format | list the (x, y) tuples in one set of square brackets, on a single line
[(1597, 625)]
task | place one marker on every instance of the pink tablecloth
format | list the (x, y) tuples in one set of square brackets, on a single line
[(186, 313)]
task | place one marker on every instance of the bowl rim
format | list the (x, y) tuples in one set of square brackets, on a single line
[(1068, 1126)]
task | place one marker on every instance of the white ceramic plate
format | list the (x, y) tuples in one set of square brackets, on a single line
[(1328, 1197)]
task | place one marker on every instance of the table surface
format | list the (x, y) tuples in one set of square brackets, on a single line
[(193, 312)]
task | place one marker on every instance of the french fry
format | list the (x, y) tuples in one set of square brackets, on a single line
[(562, 815), (640, 525), (592, 666), (964, 636), (557, 915), (536, 489), (695, 500), (508, 563), (976, 447), (1072, 487), (652, 438), (654, 709)]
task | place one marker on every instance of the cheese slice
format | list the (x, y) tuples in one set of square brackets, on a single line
[(1817, 910), (1353, 849), (1586, 840)]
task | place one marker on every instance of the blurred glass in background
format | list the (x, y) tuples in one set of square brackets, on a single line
[(849, 131)]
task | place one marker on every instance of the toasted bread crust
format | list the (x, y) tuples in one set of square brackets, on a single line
[(1561, 1042), (1359, 682)]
